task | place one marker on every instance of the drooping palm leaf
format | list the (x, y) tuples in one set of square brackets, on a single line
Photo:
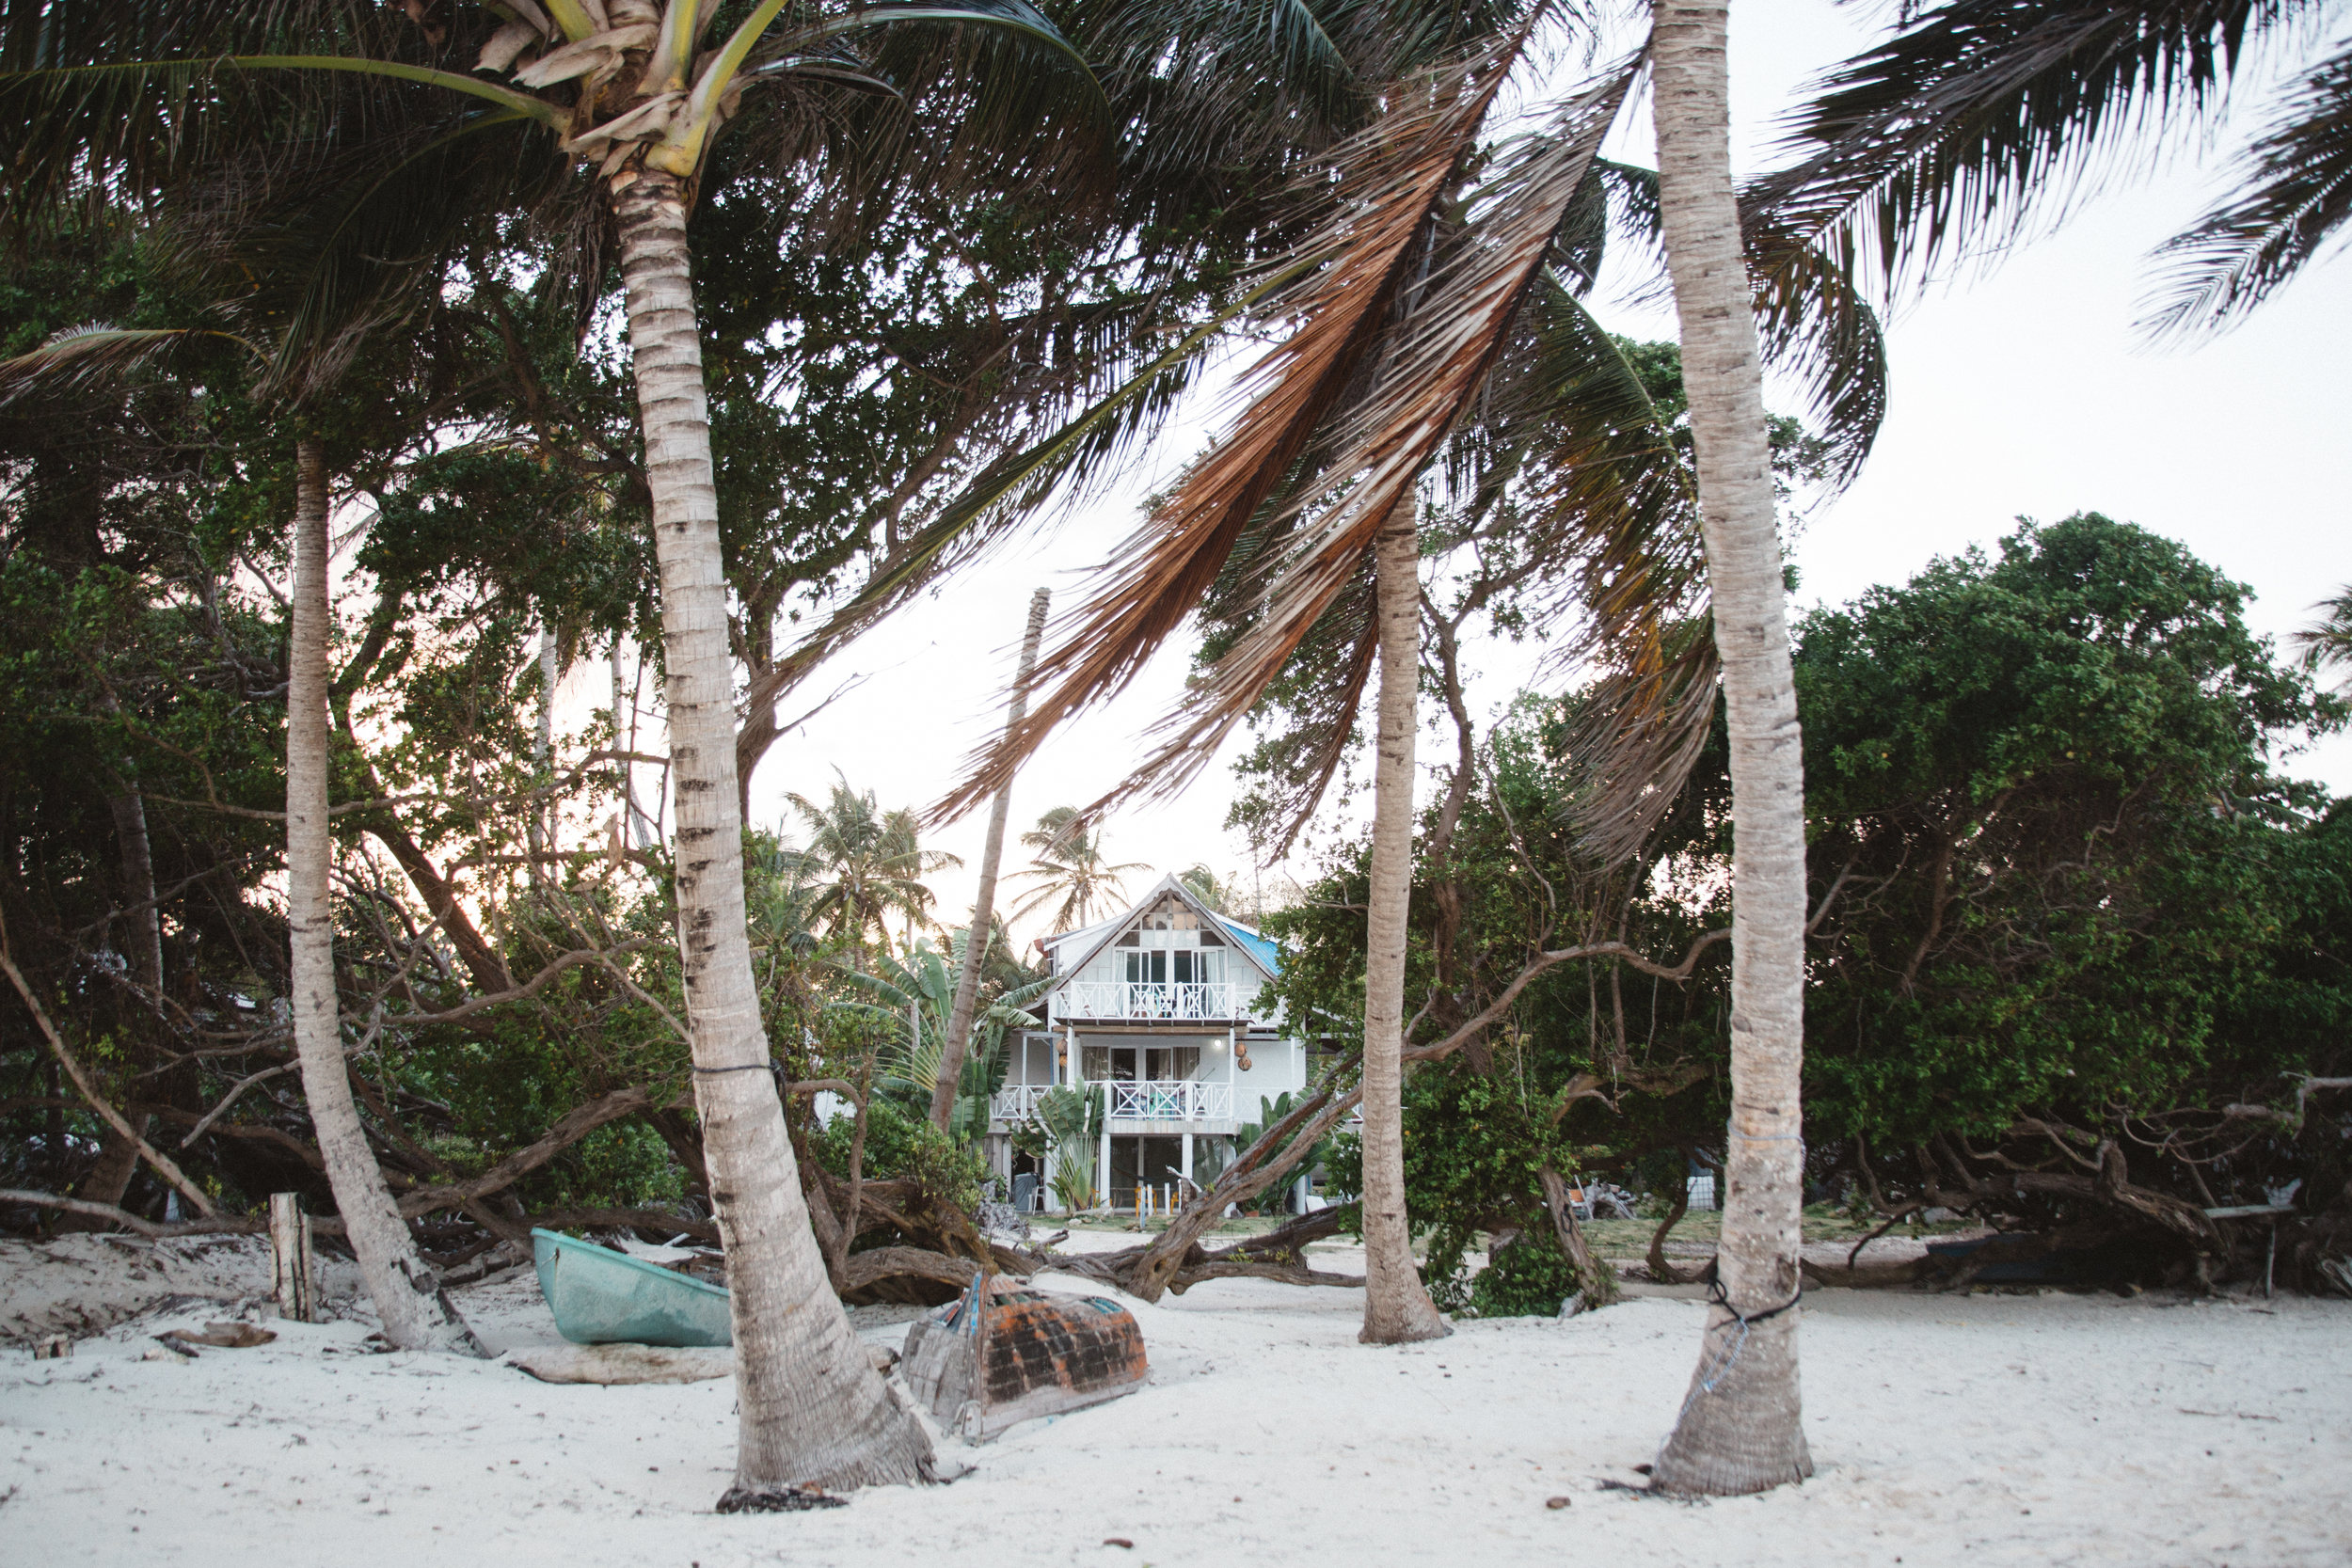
[(1982, 119), (1391, 184), (2300, 175)]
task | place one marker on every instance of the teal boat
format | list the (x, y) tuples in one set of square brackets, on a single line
[(601, 1297)]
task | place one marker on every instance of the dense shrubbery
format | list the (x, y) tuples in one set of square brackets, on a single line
[(2069, 915)]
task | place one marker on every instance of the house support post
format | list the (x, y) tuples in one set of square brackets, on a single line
[(1185, 1165)]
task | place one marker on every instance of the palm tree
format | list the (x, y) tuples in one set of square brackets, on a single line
[(2327, 640), (627, 87), (918, 991), (1218, 895), (1070, 867), (1976, 120), (984, 899), (865, 864), (1441, 328), (636, 92), (415, 1313), (1740, 1428), (300, 334)]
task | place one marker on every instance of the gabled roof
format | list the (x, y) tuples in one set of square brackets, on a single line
[(1091, 940)]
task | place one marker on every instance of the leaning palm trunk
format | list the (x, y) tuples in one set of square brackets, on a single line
[(1397, 1308), (415, 1313), (1740, 1429), (811, 1408), (984, 902)]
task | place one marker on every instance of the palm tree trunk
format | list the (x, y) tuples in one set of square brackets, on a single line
[(1740, 1429), (415, 1313), (1397, 1308), (811, 1408), (984, 901)]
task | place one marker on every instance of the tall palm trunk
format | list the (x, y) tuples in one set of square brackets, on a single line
[(1397, 1308), (416, 1313), (1740, 1428), (984, 901), (811, 1408)]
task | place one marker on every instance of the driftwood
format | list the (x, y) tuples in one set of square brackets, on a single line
[(620, 1364), (293, 1272)]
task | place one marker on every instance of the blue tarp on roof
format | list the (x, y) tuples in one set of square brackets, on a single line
[(1260, 948)]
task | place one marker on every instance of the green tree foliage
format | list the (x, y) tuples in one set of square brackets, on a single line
[(2064, 894), (2075, 879)]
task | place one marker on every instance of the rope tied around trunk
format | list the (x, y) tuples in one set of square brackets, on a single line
[(1729, 1357)]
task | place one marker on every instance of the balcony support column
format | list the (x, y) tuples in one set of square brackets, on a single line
[(1104, 1186), (1185, 1164)]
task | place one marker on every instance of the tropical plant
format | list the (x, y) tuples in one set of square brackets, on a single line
[(1217, 896), (302, 355), (1975, 122), (1074, 1184), (1742, 1427), (1270, 1111), (866, 865), (2327, 642), (1432, 301), (1074, 1120), (633, 90), (916, 993), (1070, 867)]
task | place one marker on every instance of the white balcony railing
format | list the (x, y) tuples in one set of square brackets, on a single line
[(1017, 1102), (1193, 999), (1171, 1100), (1152, 1100)]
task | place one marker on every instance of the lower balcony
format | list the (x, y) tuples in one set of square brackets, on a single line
[(1180, 1099)]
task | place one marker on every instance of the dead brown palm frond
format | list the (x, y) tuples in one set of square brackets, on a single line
[(1398, 331), (1604, 505)]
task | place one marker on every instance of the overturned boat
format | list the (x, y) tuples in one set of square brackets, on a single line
[(1001, 1353), (602, 1297)]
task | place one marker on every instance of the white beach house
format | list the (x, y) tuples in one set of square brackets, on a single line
[(1162, 1004)]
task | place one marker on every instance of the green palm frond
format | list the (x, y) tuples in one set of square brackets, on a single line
[(2326, 643), (1981, 122), (2300, 197)]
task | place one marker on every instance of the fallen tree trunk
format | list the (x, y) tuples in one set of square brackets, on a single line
[(1280, 1255)]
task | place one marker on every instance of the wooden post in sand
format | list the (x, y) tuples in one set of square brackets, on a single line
[(293, 1265)]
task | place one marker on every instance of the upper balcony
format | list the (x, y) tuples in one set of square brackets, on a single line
[(1139, 1002)]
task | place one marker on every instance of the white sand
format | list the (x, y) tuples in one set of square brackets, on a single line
[(1984, 1430)]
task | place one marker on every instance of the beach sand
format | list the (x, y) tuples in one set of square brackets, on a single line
[(1982, 1430)]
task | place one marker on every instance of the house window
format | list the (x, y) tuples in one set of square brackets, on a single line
[(1184, 965)]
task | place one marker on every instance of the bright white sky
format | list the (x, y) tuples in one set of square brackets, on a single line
[(2019, 392)]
